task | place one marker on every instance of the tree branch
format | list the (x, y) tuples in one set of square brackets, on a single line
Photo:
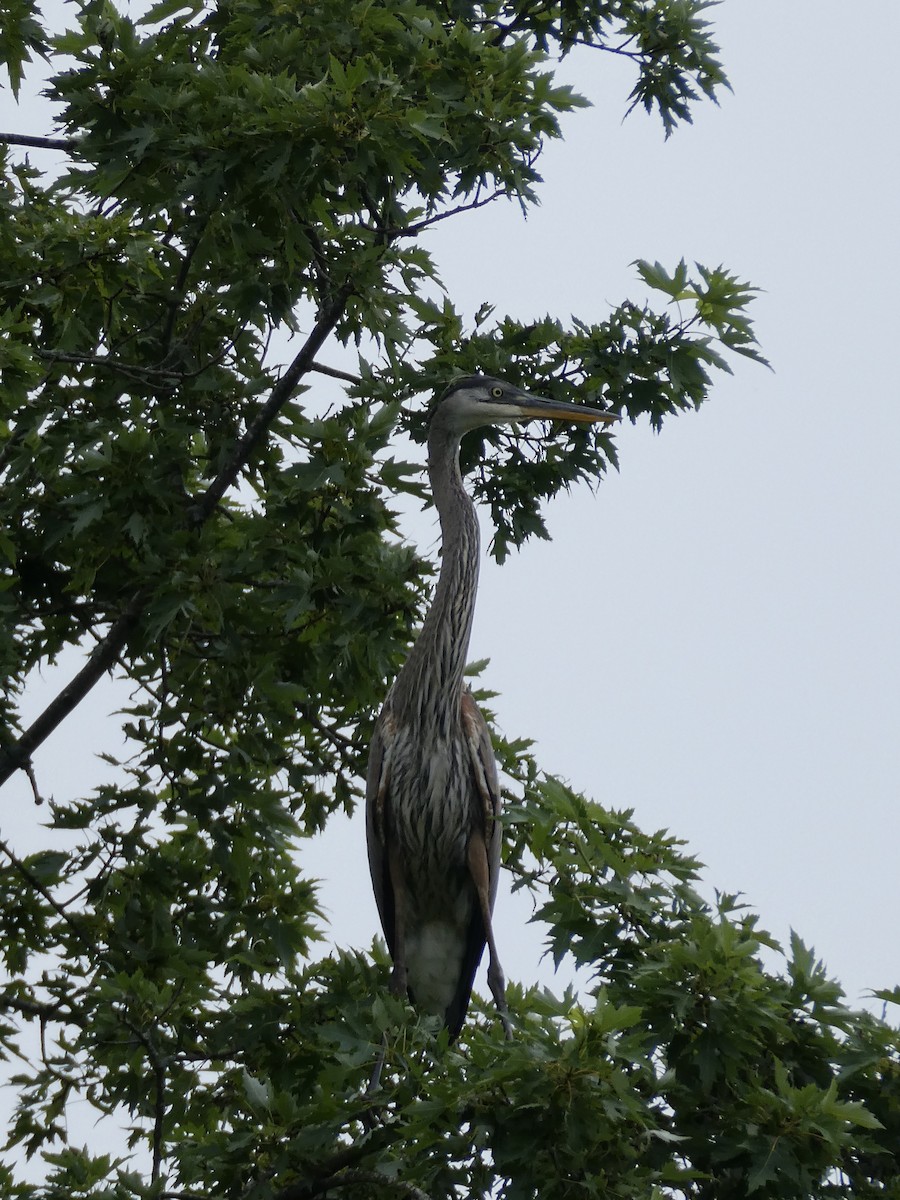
[(29, 771), (101, 659), (106, 362), (159, 1105), (39, 143), (329, 315), (37, 1008), (322, 369), (400, 231)]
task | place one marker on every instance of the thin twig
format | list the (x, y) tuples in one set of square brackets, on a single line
[(634, 55), (106, 362), (338, 739), (399, 231), (28, 768), (335, 373)]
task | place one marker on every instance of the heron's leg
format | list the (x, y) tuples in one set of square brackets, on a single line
[(398, 971), (398, 951), (479, 871)]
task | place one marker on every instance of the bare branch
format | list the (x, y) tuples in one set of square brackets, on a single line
[(29, 771), (334, 373), (106, 362), (15, 757), (399, 231), (39, 143), (634, 55), (339, 740)]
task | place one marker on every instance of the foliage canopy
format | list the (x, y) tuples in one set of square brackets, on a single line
[(176, 500)]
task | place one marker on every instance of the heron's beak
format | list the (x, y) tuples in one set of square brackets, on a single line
[(557, 410)]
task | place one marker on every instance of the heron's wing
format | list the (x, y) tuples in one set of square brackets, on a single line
[(377, 799), (486, 804), (487, 785)]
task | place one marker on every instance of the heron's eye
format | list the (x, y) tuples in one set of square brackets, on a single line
[(496, 392)]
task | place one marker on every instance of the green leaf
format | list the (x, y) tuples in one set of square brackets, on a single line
[(162, 11)]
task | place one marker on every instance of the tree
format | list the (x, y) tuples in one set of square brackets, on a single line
[(176, 502)]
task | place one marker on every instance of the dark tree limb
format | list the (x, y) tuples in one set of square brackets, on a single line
[(103, 657), (39, 143), (417, 227), (328, 317)]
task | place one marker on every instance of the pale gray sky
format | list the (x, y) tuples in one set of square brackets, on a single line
[(742, 567), (745, 692)]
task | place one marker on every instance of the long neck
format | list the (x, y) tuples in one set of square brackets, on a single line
[(432, 676)]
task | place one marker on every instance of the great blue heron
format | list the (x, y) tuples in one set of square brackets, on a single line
[(432, 793)]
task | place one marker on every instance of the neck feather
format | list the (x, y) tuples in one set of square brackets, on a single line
[(431, 680)]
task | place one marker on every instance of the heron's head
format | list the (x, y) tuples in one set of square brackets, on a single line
[(477, 400)]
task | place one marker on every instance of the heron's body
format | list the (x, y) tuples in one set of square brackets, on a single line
[(433, 797), (431, 882)]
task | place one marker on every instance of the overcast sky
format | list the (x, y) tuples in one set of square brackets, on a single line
[(746, 694), (743, 565)]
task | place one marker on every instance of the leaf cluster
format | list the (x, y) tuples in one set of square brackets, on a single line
[(638, 362)]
